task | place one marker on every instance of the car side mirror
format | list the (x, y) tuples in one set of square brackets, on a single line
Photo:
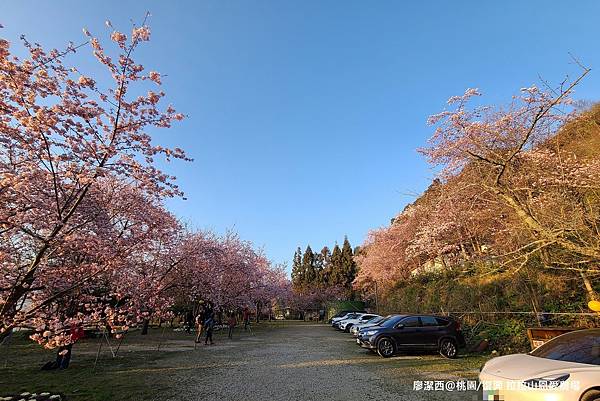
[(400, 326)]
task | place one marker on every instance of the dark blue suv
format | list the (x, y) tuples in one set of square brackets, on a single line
[(413, 332)]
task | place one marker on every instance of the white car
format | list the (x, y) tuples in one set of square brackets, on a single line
[(346, 324), (349, 316), (566, 368), (373, 322), (335, 321)]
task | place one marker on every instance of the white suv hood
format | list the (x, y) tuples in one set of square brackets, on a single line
[(523, 366)]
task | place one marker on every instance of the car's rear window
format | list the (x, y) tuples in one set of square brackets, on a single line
[(581, 347)]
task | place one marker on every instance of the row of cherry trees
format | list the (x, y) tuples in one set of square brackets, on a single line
[(84, 236), (519, 187)]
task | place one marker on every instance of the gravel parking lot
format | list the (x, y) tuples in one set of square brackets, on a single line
[(307, 362)]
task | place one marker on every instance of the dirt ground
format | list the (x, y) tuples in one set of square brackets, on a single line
[(308, 362), (277, 361)]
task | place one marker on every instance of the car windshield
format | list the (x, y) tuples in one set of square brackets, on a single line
[(390, 321), (384, 319), (377, 324), (578, 346)]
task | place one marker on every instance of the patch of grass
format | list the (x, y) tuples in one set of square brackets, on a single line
[(139, 372), (466, 366), (114, 379)]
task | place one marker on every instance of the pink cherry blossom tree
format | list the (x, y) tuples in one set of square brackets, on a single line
[(65, 138), (515, 190), (228, 273), (516, 158)]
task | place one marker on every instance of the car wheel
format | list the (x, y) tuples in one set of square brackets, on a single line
[(448, 348), (385, 347), (348, 328), (592, 395)]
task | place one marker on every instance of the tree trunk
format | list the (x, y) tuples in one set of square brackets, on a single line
[(588, 286), (5, 336), (145, 326)]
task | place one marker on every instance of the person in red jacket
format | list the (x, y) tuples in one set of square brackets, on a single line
[(63, 356)]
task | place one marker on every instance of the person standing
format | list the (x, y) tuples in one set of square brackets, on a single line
[(246, 318), (231, 322), (209, 325), (189, 321), (199, 325), (63, 356)]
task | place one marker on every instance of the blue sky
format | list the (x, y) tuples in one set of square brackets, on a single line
[(304, 116)]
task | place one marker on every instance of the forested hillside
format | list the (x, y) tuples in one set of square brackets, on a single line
[(510, 224)]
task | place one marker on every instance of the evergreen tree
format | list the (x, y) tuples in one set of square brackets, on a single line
[(308, 267), (336, 276), (348, 266), (325, 260), (297, 270), (326, 268), (318, 270)]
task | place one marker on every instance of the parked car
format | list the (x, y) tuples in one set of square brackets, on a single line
[(345, 312), (351, 316), (340, 317), (566, 368), (373, 322), (335, 322), (347, 324), (413, 332)]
